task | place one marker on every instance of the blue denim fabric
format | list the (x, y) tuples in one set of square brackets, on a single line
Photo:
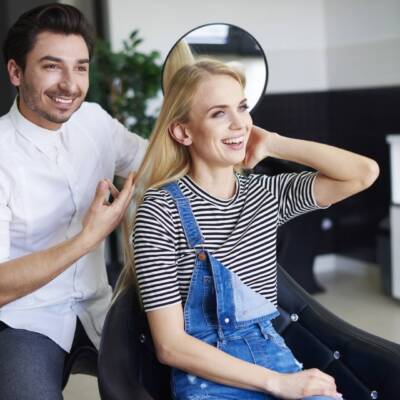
[(31, 366), (223, 312)]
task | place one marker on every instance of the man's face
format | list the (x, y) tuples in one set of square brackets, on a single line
[(55, 81)]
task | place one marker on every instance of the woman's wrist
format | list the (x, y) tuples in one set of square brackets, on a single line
[(272, 144), (270, 381)]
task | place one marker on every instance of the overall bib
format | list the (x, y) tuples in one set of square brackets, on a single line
[(225, 313)]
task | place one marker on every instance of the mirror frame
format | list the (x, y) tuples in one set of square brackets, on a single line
[(238, 28)]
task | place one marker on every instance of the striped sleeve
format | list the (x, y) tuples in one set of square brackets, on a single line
[(155, 253), (294, 192)]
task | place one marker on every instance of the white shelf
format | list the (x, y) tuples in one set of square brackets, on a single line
[(394, 143)]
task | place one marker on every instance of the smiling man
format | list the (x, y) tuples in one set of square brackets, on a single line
[(58, 156)]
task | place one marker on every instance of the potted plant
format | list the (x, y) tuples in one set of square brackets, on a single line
[(127, 83)]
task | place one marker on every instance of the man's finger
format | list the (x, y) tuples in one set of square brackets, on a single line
[(101, 193), (126, 192), (114, 191)]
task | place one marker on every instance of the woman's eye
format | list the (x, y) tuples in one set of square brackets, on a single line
[(218, 114), (244, 107)]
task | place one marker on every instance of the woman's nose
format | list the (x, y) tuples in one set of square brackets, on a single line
[(237, 121)]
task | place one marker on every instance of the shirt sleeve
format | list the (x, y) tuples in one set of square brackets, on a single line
[(129, 147), (155, 254), (294, 193), (5, 218)]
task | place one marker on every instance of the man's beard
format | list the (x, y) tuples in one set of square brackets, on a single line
[(33, 102)]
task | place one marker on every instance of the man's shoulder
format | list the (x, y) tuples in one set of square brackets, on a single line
[(91, 113)]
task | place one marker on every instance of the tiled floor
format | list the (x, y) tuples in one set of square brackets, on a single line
[(353, 292)]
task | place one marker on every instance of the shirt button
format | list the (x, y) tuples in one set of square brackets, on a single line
[(202, 256), (226, 320)]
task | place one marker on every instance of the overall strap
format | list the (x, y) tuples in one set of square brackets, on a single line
[(189, 223)]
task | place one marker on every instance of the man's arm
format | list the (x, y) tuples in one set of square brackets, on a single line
[(23, 275)]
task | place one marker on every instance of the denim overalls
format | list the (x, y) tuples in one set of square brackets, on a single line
[(222, 311)]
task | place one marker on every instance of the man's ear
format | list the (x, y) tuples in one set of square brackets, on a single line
[(180, 133), (14, 72)]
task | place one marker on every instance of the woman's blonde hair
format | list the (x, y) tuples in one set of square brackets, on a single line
[(180, 55), (166, 160)]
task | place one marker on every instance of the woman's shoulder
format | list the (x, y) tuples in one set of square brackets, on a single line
[(157, 199)]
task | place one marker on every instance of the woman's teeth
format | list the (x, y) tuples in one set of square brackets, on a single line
[(237, 140)]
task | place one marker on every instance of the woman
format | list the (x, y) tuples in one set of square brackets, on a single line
[(205, 239)]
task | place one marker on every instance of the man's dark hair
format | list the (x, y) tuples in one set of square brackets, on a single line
[(56, 18)]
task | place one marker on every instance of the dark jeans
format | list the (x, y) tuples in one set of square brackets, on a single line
[(32, 365)]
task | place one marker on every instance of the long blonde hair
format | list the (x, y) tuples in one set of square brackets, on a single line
[(180, 55), (166, 160)]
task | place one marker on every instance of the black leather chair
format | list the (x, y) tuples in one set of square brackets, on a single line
[(364, 366)]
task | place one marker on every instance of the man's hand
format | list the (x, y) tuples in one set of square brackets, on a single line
[(102, 217), (257, 146)]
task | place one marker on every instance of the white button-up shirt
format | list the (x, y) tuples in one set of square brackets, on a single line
[(47, 182)]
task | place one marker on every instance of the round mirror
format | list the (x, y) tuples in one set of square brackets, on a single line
[(227, 43)]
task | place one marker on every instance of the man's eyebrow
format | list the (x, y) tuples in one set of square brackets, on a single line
[(224, 105), (57, 59)]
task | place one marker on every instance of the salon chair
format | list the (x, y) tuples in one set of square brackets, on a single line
[(364, 366)]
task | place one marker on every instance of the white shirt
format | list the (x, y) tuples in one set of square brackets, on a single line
[(47, 182)]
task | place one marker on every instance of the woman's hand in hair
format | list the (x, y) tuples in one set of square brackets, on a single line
[(102, 217), (257, 146), (310, 382)]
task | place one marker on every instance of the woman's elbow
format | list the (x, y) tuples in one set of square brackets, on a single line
[(166, 354), (370, 173)]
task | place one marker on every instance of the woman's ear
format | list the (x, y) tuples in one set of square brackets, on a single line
[(179, 133)]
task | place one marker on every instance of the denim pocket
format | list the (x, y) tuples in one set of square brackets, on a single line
[(273, 353), (209, 301)]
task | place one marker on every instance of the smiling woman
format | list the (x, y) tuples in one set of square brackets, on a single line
[(216, 132), (204, 238)]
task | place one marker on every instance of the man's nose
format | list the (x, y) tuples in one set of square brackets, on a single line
[(67, 82)]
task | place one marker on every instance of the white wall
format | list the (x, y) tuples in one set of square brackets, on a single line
[(310, 44), (363, 43), (293, 37)]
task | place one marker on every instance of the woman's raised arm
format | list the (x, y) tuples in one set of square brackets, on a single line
[(341, 173)]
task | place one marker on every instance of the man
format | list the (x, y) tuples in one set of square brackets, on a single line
[(57, 153)]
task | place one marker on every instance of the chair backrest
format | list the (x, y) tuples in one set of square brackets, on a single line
[(363, 365), (127, 365)]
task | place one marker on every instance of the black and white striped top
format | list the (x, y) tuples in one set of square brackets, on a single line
[(241, 232)]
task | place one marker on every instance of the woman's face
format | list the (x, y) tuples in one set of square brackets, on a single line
[(219, 122)]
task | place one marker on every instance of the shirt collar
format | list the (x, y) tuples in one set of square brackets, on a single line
[(44, 139)]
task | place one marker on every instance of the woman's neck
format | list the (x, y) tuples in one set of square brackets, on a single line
[(217, 182)]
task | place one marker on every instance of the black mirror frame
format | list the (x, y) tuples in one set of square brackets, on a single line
[(237, 28)]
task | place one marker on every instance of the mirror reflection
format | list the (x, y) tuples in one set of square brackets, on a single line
[(226, 43)]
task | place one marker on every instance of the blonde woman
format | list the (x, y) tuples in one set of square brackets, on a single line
[(204, 239)]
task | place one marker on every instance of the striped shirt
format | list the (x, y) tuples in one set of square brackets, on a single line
[(240, 232)]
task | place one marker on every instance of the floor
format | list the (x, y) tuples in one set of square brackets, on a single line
[(353, 292)]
